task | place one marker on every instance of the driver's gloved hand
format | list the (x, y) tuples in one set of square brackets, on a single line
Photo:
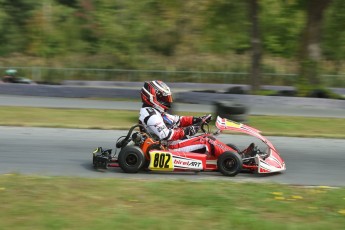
[(191, 130), (199, 119), (196, 120)]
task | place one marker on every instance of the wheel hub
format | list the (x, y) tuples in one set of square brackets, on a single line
[(131, 159), (229, 164)]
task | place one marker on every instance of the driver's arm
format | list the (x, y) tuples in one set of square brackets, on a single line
[(156, 124), (180, 121)]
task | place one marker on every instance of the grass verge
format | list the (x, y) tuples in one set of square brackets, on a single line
[(32, 202), (120, 119)]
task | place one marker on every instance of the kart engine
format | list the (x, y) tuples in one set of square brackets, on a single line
[(138, 138)]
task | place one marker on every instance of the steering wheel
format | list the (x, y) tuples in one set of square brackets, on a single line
[(203, 123), (202, 127)]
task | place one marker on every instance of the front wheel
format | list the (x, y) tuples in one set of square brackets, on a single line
[(131, 159), (229, 163)]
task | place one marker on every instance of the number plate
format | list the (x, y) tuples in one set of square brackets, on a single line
[(161, 161)]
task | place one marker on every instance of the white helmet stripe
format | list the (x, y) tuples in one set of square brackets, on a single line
[(148, 93), (165, 90)]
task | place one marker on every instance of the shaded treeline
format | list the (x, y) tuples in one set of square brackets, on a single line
[(205, 35)]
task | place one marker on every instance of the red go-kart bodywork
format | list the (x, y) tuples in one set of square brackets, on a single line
[(139, 150)]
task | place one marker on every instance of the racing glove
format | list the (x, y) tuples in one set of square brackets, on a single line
[(191, 130), (197, 120)]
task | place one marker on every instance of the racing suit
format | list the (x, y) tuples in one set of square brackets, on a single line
[(169, 128)]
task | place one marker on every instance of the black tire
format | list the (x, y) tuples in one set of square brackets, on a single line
[(229, 163), (230, 107), (235, 90), (242, 118), (234, 147), (131, 159)]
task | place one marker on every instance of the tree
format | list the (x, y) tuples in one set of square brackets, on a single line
[(334, 35), (226, 27), (310, 49), (255, 70), (281, 22), (13, 19)]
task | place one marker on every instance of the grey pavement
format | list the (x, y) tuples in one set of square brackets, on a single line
[(67, 152)]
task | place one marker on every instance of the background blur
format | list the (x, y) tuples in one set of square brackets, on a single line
[(279, 42)]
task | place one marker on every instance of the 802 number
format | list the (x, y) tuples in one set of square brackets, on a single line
[(161, 160)]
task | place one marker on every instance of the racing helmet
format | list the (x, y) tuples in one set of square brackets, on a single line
[(156, 94)]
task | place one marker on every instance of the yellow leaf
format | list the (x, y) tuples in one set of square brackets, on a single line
[(279, 198), (297, 197), (277, 193), (342, 211), (324, 187), (2, 189)]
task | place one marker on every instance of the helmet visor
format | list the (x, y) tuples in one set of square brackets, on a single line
[(165, 100)]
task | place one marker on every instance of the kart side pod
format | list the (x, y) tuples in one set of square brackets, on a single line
[(131, 159), (176, 161)]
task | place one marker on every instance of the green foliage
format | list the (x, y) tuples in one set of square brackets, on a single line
[(282, 23), (227, 26), (204, 35), (13, 16), (334, 35)]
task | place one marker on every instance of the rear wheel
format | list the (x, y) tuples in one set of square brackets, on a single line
[(229, 163), (131, 159)]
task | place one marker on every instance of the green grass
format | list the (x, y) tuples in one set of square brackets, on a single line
[(300, 126), (67, 118), (32, 202), (120, 119)]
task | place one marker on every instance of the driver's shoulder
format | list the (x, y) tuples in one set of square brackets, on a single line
[(150, 115), (148, 111)]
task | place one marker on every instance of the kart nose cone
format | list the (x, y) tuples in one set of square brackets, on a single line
[(273, 163)]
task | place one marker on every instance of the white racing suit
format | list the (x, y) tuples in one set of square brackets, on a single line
[(169, 128)]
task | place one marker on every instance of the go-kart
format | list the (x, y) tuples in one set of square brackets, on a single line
[(140, 150)]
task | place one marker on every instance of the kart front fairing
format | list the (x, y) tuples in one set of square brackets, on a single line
[(272, 162)]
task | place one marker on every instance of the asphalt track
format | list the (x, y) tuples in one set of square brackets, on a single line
[(67, 152)]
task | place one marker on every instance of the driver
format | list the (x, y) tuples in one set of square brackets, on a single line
[(176, 130)]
